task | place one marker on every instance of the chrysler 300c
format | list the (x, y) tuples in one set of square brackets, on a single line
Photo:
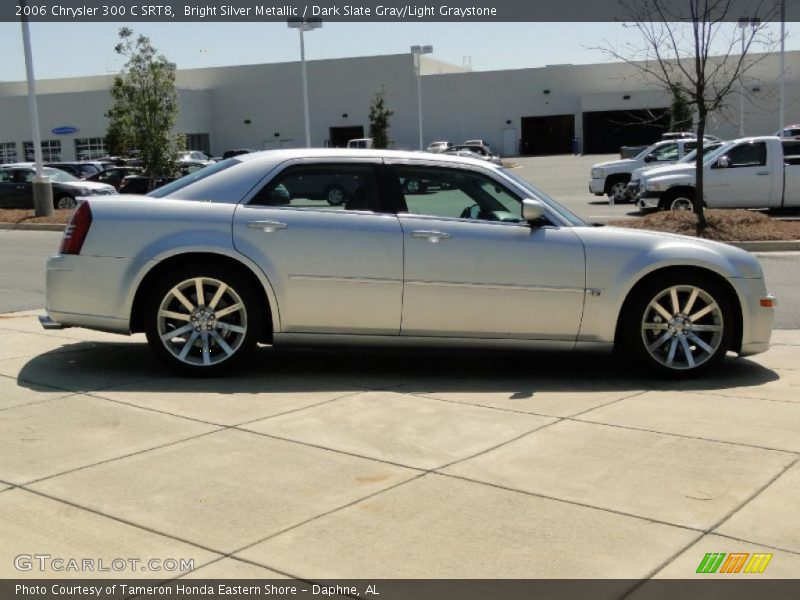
[(248, 250)]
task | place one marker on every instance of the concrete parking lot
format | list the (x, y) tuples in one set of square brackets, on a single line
[(417, 464), (346, 464)]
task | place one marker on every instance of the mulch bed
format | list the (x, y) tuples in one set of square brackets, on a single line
[(24, 215), (723, 225)]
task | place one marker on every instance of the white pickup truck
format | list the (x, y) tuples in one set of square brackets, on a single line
[(611, 178), (755, 172)]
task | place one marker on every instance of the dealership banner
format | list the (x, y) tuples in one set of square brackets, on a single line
[(382, 10), (708, 588)]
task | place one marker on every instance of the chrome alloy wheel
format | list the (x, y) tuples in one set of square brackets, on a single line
[(681, 203), (202, 321), (682, 327)]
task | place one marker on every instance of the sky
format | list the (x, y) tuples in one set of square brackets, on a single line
[(80, 49)]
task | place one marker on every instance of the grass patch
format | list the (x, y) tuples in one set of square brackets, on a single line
[(24, 215), (723, 225)]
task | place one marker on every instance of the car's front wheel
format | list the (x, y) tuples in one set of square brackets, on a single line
[(65, 202), (680, 325), (202, 321)]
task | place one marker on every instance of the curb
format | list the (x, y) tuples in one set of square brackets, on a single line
[(769, 246), (33, 226)]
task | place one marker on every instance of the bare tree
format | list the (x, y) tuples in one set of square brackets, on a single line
[(694, 49)]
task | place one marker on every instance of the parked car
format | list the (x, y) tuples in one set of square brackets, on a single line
[(360, 143), (140, 184), (195, 156), (464, 153), (80, 169), (754, 172), (237, 152), (633, 151), (790, 131), (483, 150), (439, 147), (114, 175), (217, 266), (16, 187), (611, 177), (634, 185)]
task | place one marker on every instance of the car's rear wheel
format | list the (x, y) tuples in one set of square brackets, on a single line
[(202, 321), (65, 202), (681, 325)]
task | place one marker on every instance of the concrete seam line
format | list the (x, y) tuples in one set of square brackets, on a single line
[(682, 435), (765, 545), (295, 410), (571, 502), (669, 560), (753, 496), (744, 397), (327, 513), (329, 449), (38, 402), (124, 456), (155, 410), (124, 521)]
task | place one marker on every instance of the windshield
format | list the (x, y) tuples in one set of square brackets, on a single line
[(58, 175), (539, 194), (646, 151), (166, 190), (706, 150)]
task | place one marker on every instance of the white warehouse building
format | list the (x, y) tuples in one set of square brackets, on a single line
[(520, 111)]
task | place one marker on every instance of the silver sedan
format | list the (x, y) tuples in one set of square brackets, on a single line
[(244, 251)]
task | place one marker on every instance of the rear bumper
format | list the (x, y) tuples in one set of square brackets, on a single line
[(91, 291)]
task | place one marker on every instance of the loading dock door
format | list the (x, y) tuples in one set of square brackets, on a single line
[(547, 135), (339, 136), (606, 131)]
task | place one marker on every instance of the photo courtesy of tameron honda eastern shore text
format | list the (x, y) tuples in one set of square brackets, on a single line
[(362, 246)]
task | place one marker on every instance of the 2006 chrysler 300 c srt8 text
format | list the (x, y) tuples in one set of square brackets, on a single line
[(417, 249)]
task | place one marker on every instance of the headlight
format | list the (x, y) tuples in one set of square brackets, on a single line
[(85, 192), (653, 186), (597, 173)]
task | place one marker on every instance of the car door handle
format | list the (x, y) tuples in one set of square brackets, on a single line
[(431, 236), (20, 187), (763, 173), (266, 226)]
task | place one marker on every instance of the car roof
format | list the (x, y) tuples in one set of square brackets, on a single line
[(294, 153)]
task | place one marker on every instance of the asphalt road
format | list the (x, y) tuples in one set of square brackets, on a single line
[(23, 254)]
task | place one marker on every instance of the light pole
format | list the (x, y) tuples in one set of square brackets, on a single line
[(744, 23), (417, 51), (303, 25), (782, 123), (42, 188)]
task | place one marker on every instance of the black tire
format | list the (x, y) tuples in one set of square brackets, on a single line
[(620, 182), (335, 195), (638, 343), (64, 201), (240, 344), (414, 186)]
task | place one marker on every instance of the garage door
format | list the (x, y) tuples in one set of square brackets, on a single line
[(547, 135), (605, 131)]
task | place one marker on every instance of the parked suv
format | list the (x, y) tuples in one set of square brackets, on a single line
[(81, 169)]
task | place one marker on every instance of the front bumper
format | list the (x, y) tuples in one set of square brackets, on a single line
[(757, 320), (597, 186), (648, 200)]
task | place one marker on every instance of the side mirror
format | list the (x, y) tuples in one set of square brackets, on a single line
[(532, 210), (649, 158), (723, 162)]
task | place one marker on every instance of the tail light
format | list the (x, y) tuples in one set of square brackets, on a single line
[(125, 181), (76, 231)]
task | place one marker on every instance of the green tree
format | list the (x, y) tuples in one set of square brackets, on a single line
[(379, 116), (145, 106), (680, 111)]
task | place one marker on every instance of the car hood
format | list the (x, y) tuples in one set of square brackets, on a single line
[(676, 169), (621, 162), (86, 185), (655, 171), (620, 245)]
